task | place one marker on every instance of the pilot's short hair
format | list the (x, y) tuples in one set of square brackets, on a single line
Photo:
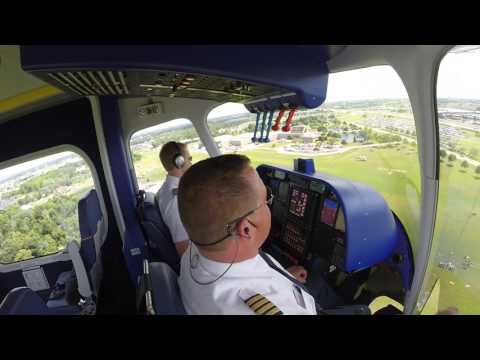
[(168, 151), (212, 193)]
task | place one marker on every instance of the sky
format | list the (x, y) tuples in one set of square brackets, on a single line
[(459, 77), (167, 125)]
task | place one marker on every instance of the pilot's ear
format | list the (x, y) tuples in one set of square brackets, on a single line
[(244, 229)]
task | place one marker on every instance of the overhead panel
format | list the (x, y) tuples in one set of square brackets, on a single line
[(261, 77), (158, 83)]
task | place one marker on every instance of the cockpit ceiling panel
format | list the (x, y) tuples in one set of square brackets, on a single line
[(157, 83), (266, 76)]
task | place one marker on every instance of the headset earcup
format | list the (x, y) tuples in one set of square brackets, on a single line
[(179, 161)]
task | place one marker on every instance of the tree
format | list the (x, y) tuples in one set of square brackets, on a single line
[(344, 142), (465, 164), (477, 170), (452, 157), (23, 254), (322, 137), (443, 153)]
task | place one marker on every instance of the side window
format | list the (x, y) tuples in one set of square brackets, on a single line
[(145, 148), (39, 205), (364, 132), (455, 256)]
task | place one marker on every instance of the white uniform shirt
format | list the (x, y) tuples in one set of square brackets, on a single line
[(227, 295), (168, 205)]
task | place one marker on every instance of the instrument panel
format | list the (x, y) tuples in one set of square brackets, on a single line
[(347, 224), (303, 211)]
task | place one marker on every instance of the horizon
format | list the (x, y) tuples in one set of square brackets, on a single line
[(223, 110)]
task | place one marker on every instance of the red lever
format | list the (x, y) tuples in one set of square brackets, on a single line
[(276, 126), (288, 123)]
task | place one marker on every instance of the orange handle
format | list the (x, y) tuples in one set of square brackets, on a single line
[(276, 126)]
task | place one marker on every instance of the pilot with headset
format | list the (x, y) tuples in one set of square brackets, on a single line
[(176, 160), (223, 204)]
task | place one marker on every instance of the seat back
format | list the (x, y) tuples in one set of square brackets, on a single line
[(156, 231), (89, 214), (160, 290), (92, 230), (23, 301)]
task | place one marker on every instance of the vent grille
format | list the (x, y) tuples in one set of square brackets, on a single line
[(92, 82)]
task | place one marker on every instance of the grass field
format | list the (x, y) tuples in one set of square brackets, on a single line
[(469, 143), (394, 172), (457, 235)]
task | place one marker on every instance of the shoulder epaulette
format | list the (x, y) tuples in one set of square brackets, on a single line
[(262, 306)]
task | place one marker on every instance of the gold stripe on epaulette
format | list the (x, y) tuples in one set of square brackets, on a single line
[(273, 311), (259, 304), (254, 298), (262, 306)]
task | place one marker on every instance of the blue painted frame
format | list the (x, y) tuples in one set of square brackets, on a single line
[(122, 177)]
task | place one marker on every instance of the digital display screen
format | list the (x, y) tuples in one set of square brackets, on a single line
[(329, 211), (298, 202), (283, 191)]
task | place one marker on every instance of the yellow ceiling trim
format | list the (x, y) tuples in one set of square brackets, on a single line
[(28, 97)]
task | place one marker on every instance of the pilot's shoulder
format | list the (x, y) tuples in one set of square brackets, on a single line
[(259, 303)]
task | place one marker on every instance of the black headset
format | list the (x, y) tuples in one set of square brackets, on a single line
[(178, 158)]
